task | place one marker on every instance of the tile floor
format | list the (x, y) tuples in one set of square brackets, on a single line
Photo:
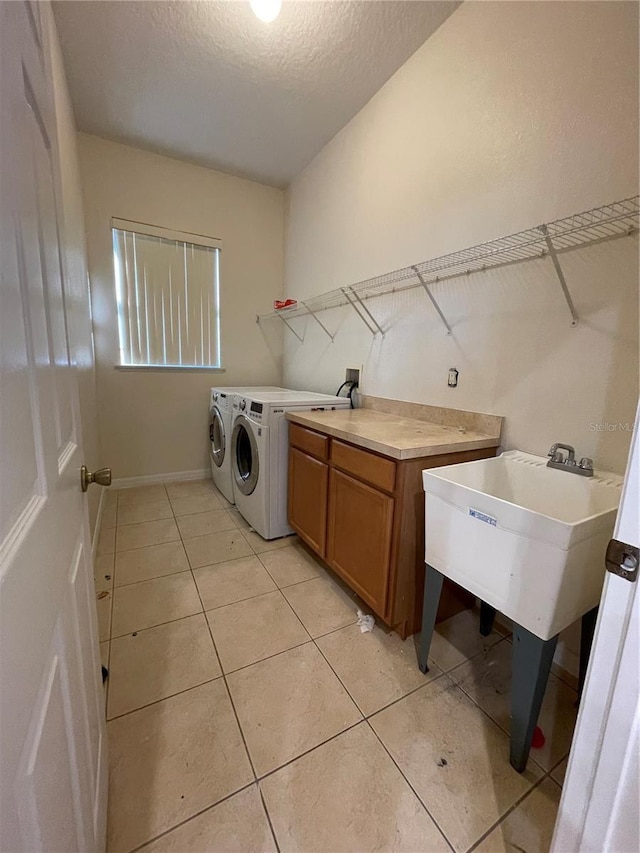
[(246, 711)]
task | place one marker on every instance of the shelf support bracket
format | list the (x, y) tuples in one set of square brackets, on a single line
[(291, 329), (560, 274), (319, 322), (359, 307), (432, 298)]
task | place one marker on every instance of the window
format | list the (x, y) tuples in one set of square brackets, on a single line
[(168, 296)]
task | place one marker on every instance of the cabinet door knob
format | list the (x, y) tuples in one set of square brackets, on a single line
[(102, 477)]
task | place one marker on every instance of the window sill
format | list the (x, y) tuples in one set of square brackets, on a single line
[(168, 368)]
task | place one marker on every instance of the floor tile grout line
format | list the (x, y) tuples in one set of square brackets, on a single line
[(165, 517), (420, 800), (158, 624), (226, 684), (309, 751), (473, 656), (240, 600), (162, 698), (365, 718), (281, 589), (274, 655), (154, 578), (503, 639), (564, 680), (260, 554), (190, 569), (268, 816), (122, 524), (294, 540), (192, 817), (312, 639), (508, 812), (333, 630), (304, 627), (555, 766), (259, 778), (284, 651), (478, 705), (557, 672), (404, 696), (488, 715), (344, 686), (268, 657), (495, 722), (128, 633), (197, 568), (389, 704), (148, 545)]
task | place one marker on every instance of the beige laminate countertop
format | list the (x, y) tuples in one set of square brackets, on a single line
[(392, 435)]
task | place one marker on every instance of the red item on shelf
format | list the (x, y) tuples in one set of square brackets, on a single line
[(538, 740), (286, 303)]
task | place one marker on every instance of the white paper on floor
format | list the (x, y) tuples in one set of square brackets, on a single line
[(365, 622)]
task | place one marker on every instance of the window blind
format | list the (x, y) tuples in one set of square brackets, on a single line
[(168, 297)]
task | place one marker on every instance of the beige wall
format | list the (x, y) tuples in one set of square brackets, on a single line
[(75, 268), (510, 115), (155, 422)]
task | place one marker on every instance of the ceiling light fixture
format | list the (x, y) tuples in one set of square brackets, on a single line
[(266, 10)]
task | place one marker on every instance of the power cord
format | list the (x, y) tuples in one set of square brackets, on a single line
[(352, 387)]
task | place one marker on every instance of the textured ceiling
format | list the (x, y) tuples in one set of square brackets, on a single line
[(209, 82)]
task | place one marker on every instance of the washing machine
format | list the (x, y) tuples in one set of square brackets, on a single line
[(260, 454), (220, 417)]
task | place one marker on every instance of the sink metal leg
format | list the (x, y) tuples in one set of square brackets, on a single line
[(487, 618), (432, 590), (530, 671), (586, 641)]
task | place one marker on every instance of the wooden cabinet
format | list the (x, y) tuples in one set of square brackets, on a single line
[(367, 466), (308, 479), (308, 485), (360, 530), (363, 513)]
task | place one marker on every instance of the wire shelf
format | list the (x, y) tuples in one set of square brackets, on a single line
[(611, 221)]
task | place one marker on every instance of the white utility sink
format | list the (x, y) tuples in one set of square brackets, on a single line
[(526, 539)]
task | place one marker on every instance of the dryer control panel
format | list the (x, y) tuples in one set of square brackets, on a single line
[(251, 408)]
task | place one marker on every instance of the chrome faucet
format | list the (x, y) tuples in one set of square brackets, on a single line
[(568, 462)]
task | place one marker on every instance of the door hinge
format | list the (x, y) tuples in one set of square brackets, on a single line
[(622, 560)]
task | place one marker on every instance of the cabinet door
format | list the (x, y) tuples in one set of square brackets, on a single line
[(359, 537), (308, 478)]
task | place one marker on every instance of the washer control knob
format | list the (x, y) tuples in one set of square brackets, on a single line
[(243, 405)]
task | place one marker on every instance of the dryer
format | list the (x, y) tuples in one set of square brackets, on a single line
[(220, 417), (260, 454)]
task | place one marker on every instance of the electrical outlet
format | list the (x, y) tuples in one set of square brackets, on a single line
[(352, 374), (452, 380)]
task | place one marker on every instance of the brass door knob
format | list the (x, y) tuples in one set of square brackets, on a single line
[(102, 477)]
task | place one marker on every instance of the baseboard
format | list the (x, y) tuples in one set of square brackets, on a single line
[(151, 479), (96, 529)]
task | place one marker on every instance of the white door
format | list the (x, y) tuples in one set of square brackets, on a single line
[(52, 731), (600, 807)]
